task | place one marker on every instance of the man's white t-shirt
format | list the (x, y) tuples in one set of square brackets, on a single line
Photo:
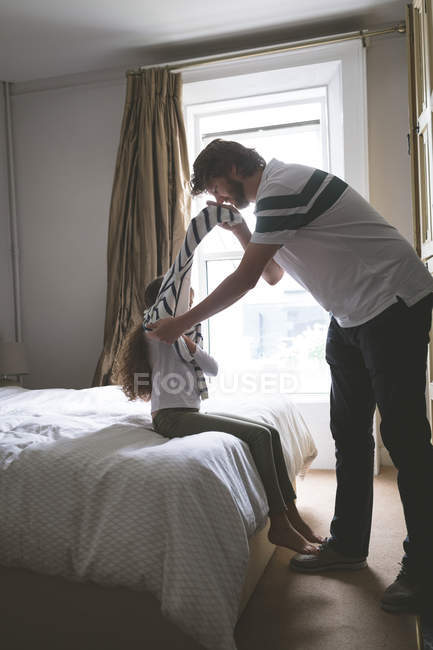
[(335, 244)]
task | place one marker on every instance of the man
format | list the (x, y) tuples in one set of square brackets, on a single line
[(359, 268)]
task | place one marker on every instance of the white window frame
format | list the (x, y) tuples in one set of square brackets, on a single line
[(341, 67), (196, 112)]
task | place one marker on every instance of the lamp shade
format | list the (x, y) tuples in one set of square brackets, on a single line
[(13, 360)]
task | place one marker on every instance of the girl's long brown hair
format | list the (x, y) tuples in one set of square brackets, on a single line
[(131, 369)]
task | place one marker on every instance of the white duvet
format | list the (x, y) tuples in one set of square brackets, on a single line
[(89, 491)]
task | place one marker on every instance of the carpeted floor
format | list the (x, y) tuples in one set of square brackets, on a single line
[(338, 609)]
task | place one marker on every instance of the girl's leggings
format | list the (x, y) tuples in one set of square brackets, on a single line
[(263, 440)]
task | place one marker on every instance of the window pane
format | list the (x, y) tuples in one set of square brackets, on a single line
[(273, 340), (214, 125)]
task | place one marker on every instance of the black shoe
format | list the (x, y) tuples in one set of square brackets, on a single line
[(327, 559), (407, 594)]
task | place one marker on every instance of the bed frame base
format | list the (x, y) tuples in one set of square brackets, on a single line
[(51, 613)]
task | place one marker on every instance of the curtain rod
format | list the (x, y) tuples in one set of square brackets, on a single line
[(179, 66)]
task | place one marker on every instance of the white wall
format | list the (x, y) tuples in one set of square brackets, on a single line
[(388, 125), (65, 148), (7, 326)]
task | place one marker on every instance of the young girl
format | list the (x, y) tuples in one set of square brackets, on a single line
[(175, 406)]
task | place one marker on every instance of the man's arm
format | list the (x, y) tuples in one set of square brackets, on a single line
[(272, 272), (236, 285)]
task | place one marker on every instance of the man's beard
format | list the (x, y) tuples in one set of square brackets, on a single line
[(237, 194)]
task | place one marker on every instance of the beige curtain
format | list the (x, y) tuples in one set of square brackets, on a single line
[(150, 203)]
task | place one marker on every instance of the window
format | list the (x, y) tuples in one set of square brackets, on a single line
[(273, 339), (288, 126)]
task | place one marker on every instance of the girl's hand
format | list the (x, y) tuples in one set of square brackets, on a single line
[(166, 330), (190, 343), (235, 228)]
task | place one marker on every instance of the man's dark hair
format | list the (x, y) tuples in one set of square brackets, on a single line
[(218, 158)]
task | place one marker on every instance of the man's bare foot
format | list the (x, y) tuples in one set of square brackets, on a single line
[(285, 535), (300, 525)]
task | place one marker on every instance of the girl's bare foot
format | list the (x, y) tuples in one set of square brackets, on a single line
[(283, 534), (300, 525)]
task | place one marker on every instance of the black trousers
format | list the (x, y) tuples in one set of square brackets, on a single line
[(382, 362)]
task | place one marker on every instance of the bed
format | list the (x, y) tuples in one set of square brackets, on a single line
[(141, 541)]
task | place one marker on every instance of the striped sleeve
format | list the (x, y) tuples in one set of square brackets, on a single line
[(280, 216)]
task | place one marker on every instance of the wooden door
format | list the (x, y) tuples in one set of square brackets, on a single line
[(419, 25)]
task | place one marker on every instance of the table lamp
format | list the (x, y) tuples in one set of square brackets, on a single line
[(13, 363)]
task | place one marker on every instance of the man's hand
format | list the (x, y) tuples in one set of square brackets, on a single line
[(166, 330)]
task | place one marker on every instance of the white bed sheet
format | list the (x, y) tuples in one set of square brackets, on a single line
[(89, 491)]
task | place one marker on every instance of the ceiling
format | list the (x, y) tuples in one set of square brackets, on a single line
[(51, 38)]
